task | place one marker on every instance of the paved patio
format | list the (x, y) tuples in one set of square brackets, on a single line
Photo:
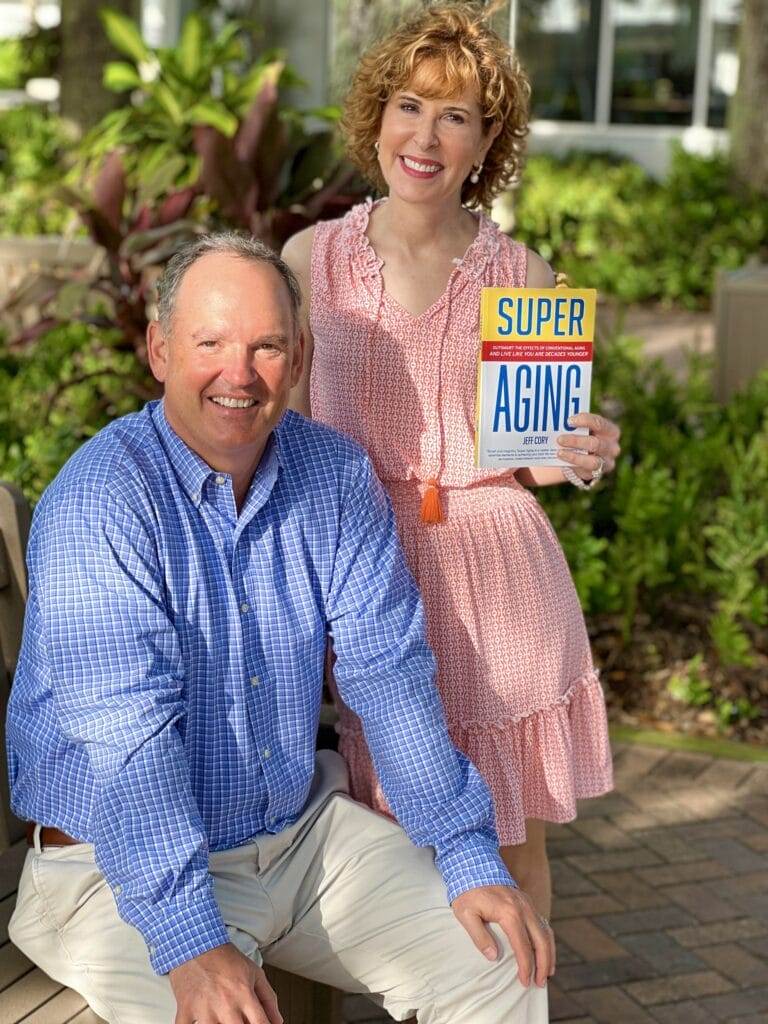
[(661, 904), (661, 897)]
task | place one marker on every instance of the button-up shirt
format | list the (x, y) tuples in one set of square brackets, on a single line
[(168, 691)]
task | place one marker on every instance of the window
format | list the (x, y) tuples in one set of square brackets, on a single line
[(558, 42), (654, 67)]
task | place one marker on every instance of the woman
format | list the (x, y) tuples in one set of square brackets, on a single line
[(436, 118)]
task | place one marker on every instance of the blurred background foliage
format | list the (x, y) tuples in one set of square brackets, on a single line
[(605, 222), (669, 555), (609, 225), (207, 141)]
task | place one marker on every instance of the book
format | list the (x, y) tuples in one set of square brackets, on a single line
[(534, 371)]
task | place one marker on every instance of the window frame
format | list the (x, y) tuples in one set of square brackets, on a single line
[(605, 62)]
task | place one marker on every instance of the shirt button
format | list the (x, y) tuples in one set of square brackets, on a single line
[(196, 496), (267, 753), (255, 681), (152, 950), (221, 480), (117, 890), (244, 607)]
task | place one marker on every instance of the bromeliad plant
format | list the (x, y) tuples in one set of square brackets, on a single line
[(207, 141)]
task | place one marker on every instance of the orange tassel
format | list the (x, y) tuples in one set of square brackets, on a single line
[(431, 512)]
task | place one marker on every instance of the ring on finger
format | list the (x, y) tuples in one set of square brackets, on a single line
[(544, 922)]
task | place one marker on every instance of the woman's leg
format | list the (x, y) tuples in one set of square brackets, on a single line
[(529, 866)]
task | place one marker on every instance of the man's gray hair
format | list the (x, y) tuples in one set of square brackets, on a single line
[(224, 243)]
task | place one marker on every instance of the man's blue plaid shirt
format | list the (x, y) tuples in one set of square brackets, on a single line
[(168, 690)]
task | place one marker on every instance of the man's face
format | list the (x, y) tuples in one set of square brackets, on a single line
[(229, 360)]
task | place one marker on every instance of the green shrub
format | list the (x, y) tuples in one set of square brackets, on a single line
[(694, 689), (686, 512), (31, 56), (11, 64), (34, 146), (79, 381), (609, 225)]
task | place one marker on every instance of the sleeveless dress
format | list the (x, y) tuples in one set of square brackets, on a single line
[(521, 696)]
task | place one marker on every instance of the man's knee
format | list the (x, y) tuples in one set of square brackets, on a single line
[(474, 990)]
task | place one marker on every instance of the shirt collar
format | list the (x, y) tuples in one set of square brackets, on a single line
[(193, 471)]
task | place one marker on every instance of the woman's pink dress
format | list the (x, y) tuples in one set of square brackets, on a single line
[(521, 695)]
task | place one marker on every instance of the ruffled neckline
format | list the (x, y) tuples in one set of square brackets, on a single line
[(481, 250)]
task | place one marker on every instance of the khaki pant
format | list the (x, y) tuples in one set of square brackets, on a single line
[(341, 897)]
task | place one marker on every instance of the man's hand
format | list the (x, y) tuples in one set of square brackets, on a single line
[(223, 986), (529, 934)]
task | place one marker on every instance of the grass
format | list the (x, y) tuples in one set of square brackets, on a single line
[(692, 744)]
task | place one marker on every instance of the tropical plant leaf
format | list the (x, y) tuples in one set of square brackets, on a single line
[(332, 194), (220, 48), (71, 299), (35, 289), (313, 166), (158, 174), (210, 111), (176, 205), (191, 45), (261, 110), (222, 175), (120, 76), (35, 331), (101, 230), (168, 102), (162, 252), (109, 190), (143, 220), (329, 113), (124, 35), (141, 240), (273, 161), (252, 83)]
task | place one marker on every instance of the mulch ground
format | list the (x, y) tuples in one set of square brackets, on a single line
[(639, 675)]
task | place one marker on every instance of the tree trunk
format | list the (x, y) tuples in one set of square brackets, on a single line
[(748, 120), (85, 50)]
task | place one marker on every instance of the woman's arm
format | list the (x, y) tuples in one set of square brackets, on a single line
[(297, 253), (602, 442)]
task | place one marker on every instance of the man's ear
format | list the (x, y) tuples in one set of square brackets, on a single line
[(157, 350), (297, 364)]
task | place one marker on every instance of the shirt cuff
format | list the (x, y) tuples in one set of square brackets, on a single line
[(178, 931), (473, 862)]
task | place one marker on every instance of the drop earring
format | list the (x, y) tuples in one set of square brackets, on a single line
[(376, 146), (475, 175)]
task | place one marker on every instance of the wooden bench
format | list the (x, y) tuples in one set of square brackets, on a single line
[(26, 993)]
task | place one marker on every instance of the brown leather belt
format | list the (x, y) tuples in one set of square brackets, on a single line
[(50, 836)]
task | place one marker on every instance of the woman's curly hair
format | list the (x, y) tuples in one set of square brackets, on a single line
[(444, 49)]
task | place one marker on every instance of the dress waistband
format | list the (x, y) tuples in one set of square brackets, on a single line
[(408, 497)]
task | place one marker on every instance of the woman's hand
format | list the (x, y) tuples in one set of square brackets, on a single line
[(587, 453)]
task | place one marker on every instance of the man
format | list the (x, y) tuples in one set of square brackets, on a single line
[(186, 567)]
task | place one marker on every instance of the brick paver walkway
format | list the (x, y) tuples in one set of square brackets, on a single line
[(661, 897)]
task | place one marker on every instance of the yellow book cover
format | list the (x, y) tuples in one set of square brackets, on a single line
[(534, 371)]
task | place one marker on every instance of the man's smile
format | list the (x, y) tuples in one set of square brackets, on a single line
[(233, 403)]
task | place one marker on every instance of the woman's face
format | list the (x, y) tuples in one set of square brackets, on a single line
[(428, 147)]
